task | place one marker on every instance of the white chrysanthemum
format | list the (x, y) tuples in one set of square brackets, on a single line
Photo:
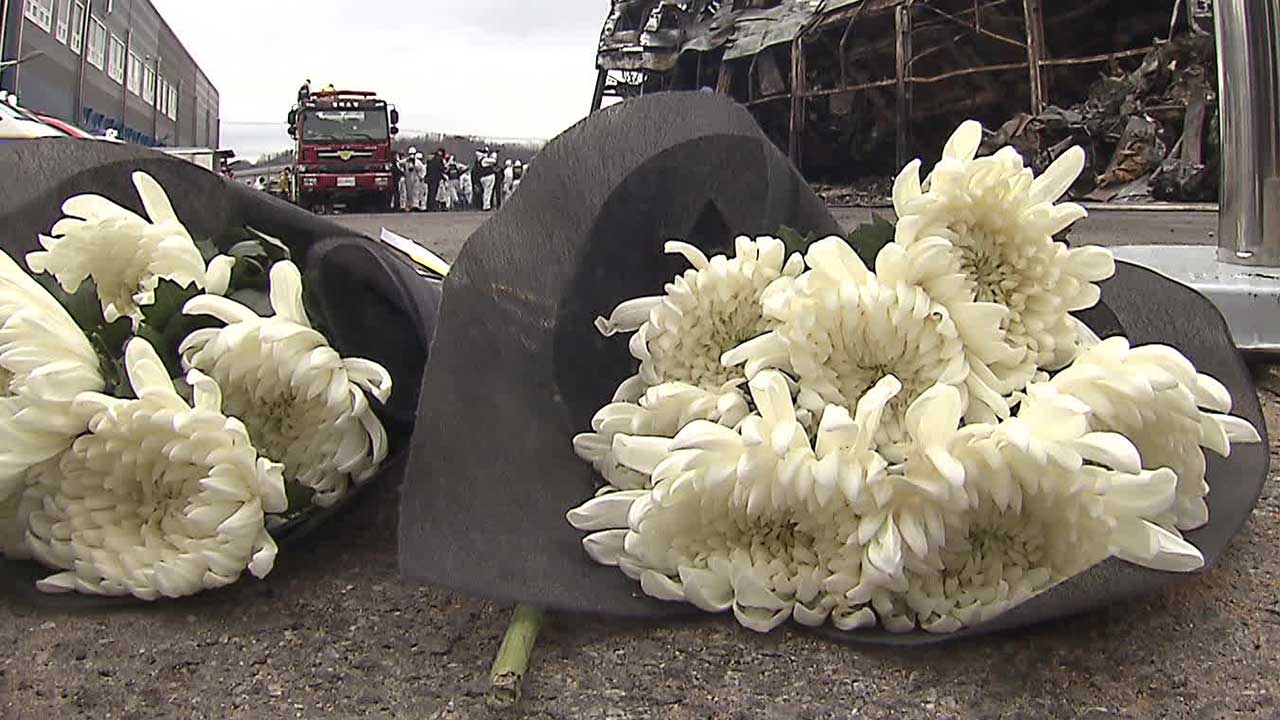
[(996, 223), (1053, 437), (1154, 396), (661, 412), (712, 308), (217, 278), (159, 498), (905, 512), (718, 532), (1048, 499), (697, 545), (126, 255), (752, 453), (840, 331), (45, 361), (303, 403)]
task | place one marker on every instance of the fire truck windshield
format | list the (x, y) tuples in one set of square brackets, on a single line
[(345, 126)]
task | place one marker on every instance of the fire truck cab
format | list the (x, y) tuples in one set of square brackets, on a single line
[(343, 155)]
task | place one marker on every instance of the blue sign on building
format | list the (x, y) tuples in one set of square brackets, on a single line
[(97, 123)]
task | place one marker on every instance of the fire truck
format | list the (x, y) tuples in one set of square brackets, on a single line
[(343, 157)]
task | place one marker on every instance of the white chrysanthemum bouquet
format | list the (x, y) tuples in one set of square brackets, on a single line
[(922, 445), (160, 415)]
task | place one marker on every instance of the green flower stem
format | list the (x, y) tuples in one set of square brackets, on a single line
[(513, 657)]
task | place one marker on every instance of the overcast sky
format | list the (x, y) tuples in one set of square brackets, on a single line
[(505, 68)]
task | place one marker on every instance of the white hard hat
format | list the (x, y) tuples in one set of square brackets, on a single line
[(413, 151)]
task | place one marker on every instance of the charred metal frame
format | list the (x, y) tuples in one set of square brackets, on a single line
[(779, 73), (910, 18)]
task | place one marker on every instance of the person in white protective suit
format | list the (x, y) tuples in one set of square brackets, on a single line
[(420, 182), (508, 177), (464, 186), (517, 176), (453, 183), (410, 196), (444, 195), (488, 178)]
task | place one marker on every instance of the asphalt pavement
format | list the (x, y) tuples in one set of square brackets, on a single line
[(446, 232), (334, 633)]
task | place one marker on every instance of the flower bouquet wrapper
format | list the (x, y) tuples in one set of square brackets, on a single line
[(518, 368), (369, 301), (518, 365)]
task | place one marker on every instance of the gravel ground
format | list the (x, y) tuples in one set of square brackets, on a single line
[(1106, 225), (334, 634)]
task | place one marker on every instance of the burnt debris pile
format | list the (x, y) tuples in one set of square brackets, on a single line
[(1151, 133), (850, 89)]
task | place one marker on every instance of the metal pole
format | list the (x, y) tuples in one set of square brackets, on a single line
[(1034, 15), (902, 27), (155, 95), (597, 97), (1248, 34), (4, 26), (17, 68), (724, 83), (124, 86), (798, 90), (85, 24)]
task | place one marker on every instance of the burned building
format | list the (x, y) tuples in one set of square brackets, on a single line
[(853, 88)]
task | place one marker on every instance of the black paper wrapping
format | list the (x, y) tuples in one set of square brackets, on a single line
[(518, 368), (370, 301)]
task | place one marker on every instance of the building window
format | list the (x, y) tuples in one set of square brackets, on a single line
[(173, 103), (162, 95), (77, 28), (64, 16), (134, 79), (115, 61), (97, 43), (149, 85), (40, 12)]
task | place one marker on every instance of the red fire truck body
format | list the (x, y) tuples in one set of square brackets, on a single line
[(343, 155)]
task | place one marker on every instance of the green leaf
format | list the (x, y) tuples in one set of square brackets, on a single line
[(256, 300), (248, 274), (869, 238), (794, 241), (108, 339), (116, 379), (168, 353), (170, 297), (114, 336), (275, 249), (225, 240), (248, 249), (165, 326), (83, 305)]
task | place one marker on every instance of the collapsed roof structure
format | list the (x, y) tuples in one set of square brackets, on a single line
[(852, 87)]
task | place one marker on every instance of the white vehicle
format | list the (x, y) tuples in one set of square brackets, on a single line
[(17, 125)]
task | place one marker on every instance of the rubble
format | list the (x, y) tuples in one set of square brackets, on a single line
[(862, 192), (1148, 134), (849, 88)]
